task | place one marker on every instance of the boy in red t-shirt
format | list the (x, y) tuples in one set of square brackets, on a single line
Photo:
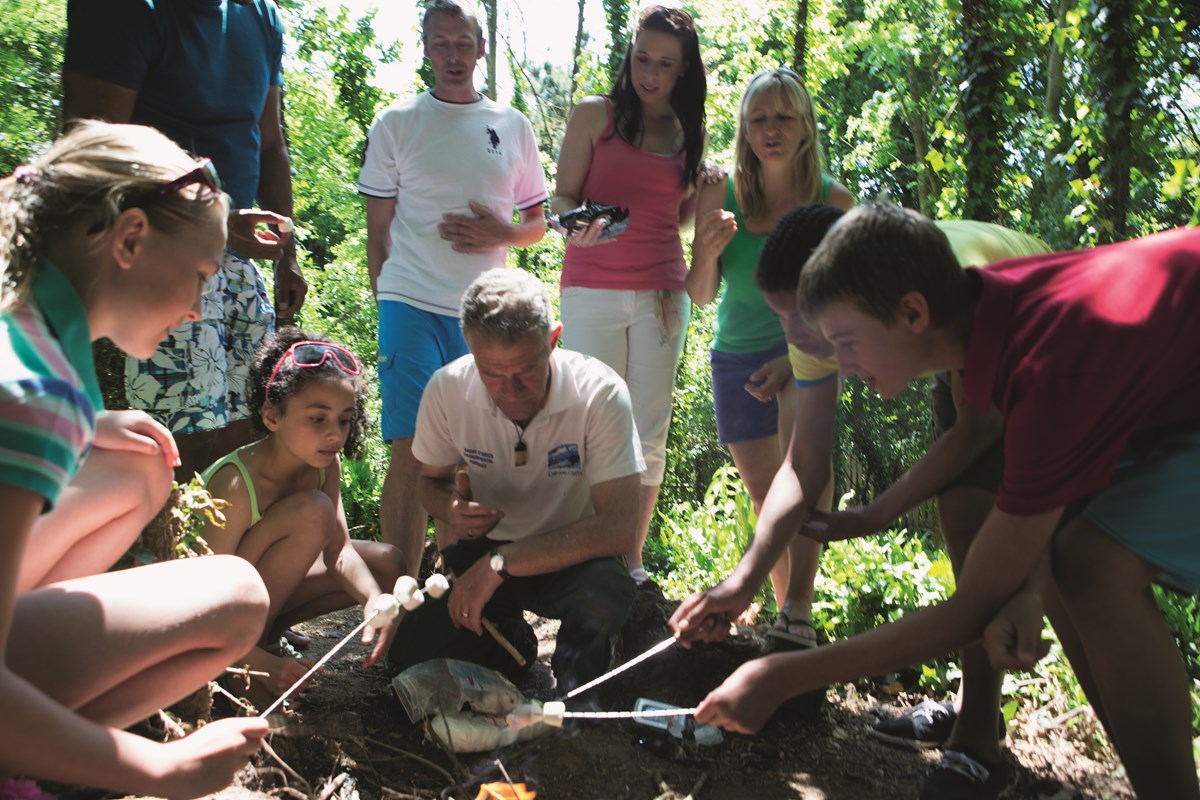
[(1093, 359)]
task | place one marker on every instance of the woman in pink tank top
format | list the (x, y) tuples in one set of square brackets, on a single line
[(623, 297)]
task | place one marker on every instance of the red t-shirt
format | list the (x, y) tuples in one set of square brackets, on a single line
[(1080, 351)]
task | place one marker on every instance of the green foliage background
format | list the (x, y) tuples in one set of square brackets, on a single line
[(899, 95)]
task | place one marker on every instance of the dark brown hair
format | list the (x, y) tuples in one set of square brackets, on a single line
[(876, 254)]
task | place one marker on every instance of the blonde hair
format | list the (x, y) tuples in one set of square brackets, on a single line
[(785, 90), (92, 175)]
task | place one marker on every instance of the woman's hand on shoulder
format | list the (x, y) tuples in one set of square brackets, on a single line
[(711, 173), (135, 431)]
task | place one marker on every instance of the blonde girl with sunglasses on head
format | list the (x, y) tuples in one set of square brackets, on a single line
[(111, 234), (758, 392), (285, 515)]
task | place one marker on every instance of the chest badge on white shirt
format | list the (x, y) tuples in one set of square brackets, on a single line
[(493, 142), (564, 459)]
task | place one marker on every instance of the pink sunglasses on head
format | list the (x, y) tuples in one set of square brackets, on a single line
[(307, 355)]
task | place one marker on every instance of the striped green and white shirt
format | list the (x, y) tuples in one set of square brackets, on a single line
[(49, 396)]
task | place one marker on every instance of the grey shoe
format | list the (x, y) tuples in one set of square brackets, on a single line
[(958, 776), (925, 725)]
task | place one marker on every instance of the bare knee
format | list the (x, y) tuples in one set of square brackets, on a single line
[(241, 602), (386, 562), (144, 478), (307, 511)]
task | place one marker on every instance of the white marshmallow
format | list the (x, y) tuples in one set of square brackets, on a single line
[(386, 609), (406, 587), (553, 713), (436, 586), (414, 602)]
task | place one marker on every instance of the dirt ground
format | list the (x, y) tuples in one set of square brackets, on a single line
[(348, 736)]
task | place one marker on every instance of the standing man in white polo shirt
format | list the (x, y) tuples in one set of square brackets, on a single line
[(529, 455), (441, 174)]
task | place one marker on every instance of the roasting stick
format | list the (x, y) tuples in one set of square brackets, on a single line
[(554, 712), (406, 595), (633, 662), (279, 700)]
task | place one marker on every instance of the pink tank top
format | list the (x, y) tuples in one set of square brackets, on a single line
[(648, 254)]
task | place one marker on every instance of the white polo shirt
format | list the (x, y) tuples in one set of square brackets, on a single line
[(582, 436)]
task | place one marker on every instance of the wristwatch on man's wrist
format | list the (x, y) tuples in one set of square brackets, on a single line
[(499, 564)]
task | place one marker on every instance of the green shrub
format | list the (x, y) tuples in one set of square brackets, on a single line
[(699, 545)]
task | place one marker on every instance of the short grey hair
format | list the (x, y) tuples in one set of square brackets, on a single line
[(506, 305), (454, 8)]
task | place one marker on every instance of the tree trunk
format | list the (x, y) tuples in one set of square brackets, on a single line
[(577, 52), (1052, 104), (800, 43), (927, 188), (617, 13), (982, 72), (1119, 83), (490, 10)]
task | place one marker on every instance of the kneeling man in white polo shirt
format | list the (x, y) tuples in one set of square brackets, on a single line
[(530, 460)]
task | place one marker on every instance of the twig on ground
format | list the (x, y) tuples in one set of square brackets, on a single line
[(447, 749), (266, 746), (173, 728), (388, 793), (445, 774), (334, 786), (290, 792), (281, 776), (660, 784), (1061, 719), (246, 706), (245, 672), (696, 789)]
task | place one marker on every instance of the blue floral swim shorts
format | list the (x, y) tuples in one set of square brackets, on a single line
[(200, 376)]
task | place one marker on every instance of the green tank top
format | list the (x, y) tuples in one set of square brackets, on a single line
[(235, 458), (745, 323)]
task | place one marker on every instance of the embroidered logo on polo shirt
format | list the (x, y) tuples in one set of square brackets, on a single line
[(564, 459), (494, 142), (477, 458)]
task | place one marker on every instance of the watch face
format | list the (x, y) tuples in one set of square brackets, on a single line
[(498, 562)]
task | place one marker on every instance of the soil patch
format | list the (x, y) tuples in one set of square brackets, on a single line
[(348, 735)]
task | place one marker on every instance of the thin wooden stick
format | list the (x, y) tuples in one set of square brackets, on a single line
[(696, 789), (491, 628), (450, 778)]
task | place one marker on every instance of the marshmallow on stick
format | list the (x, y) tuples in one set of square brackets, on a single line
[(386, 609), (410, 597), (526, 714)]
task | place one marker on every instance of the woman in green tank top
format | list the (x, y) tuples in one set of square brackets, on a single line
[(778, 167)]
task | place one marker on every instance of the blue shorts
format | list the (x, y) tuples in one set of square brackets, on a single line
[(741, 417), (1150, 508), (413, 344)]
